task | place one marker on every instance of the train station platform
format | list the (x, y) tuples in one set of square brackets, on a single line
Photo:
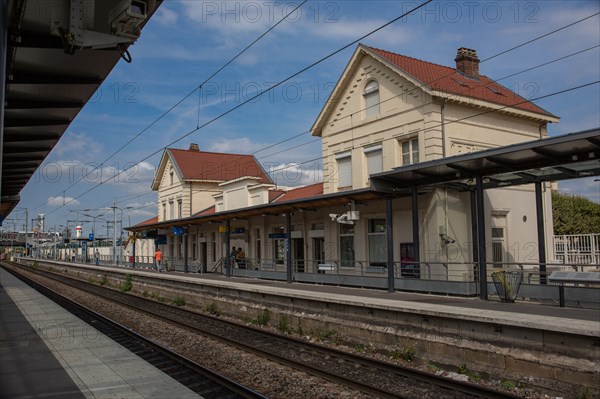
[(549, 343), (45, 352), (522, 313)]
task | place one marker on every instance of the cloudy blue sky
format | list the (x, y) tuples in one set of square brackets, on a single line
[(186, 41)]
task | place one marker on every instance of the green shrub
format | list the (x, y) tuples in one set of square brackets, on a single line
[(284, 325), (406, 353), (508, 384), (213, 309), (433, 368), (360, 347), (584, 393), (179, 300), (128, 285), (263, 317)]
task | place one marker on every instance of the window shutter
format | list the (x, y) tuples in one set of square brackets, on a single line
[(344, 171), (371, 95), (374, 161)]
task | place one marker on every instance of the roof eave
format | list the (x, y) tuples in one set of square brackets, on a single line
[(513, 110), (317, 127)]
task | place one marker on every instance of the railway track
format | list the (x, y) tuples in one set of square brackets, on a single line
[(199, 379), (374, 377)]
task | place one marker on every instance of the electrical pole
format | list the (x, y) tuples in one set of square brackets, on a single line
[(114, 207), (26, 228)]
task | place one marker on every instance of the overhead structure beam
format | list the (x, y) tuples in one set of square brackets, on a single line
[(37, 40), (32, 104), (49, 79), (26, 137), (19, 123)]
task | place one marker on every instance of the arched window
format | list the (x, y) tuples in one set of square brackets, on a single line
[(371, 95)]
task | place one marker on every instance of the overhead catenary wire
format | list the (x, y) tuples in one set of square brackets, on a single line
[(259, 94), (393, 97), (426, 83), (484, 113), (272, 145), (505, 77), (197, 88)]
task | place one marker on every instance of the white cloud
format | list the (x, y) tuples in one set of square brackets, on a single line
[(241, 145), (60, 201), (77, 143), (588, 187), (294, 174), (165, 16)]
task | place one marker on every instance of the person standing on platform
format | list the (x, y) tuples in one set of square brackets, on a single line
[(240, 258), (158, 258), (97, 257)]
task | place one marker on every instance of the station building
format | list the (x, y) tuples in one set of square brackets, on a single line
[(387, 112)]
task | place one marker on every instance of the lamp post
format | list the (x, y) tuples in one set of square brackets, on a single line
[(114, 208)]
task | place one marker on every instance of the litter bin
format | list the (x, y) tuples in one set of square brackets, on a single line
[(507, 283)]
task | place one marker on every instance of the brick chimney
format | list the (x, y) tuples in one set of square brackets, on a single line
[(194, 147), (467, 62)]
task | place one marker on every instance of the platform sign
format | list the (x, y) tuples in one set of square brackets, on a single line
[(222, 229), (277, 235), (91, 237), (178, 231)]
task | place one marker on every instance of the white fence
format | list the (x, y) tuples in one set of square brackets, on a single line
[(578, 249)]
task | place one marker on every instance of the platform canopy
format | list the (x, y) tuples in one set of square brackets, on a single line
[(565, 157), (57, 54)]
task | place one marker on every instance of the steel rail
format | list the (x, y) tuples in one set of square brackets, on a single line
[(167, 313)]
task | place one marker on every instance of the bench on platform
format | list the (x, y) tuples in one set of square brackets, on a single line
[(581, 278), (586, 279), (323, 267)]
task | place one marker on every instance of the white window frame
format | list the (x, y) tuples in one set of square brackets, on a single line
[(344, 163), (344, 234), (374, 159), (412, 156), (498, 247), (371, 236), (371, 98)]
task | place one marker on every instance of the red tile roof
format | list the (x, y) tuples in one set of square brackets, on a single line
[(274, 194), (149, 221), (449, 80), (202, 165), (303, 192)]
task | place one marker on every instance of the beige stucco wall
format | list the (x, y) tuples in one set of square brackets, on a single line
[(444, 127), (195, 196)]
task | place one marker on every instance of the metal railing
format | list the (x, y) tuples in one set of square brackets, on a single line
[(577, 249), (449, 278)]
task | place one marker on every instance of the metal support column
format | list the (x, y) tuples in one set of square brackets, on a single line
[(134, 242), (227, 249), (3, 60), (541, 236), (483, 294), (185, 249), (474, 226), (389, 234), (415, 224), (114, 208), (288, 246)]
